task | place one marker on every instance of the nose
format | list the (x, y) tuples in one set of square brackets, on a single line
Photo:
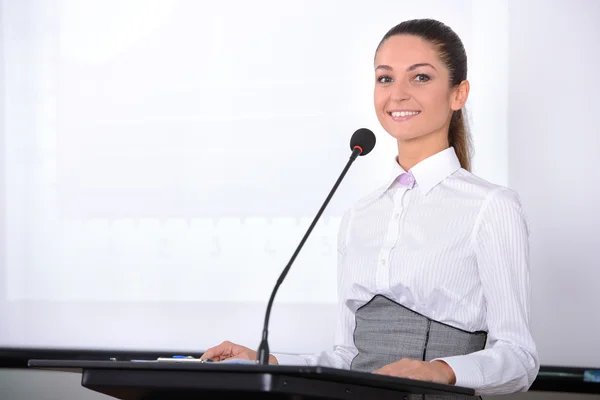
[(400, 92)]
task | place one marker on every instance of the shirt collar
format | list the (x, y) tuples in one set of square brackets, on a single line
[(429, 172)]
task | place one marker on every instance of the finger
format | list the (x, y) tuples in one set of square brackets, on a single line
[(212, 354), (381, 371), (242, 352), (214, 358), (217, 352), (238, 356)]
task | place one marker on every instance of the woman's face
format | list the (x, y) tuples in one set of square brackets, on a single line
[(412, 92)]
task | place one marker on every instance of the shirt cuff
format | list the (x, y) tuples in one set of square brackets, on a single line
[(289, 359), (467, 372)]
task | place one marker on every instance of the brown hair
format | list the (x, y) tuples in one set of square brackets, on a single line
[(452, 53)]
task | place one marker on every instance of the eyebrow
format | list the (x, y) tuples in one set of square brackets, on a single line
[(411, 68)]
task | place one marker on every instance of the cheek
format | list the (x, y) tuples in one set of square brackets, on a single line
[(437, 107), (380, 99)]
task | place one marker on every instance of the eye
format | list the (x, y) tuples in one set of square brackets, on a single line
[(422, 77), (384, 79)]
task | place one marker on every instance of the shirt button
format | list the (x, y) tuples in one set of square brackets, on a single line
[(397, 215), (383, 262)]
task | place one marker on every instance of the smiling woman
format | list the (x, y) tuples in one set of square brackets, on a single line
[(433, 267)]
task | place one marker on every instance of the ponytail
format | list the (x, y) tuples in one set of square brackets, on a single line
[(459, 137)]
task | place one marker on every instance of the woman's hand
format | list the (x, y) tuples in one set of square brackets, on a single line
[(434, 371), (228, 350)]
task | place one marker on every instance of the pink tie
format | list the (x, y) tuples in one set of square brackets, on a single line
[(407, 179)]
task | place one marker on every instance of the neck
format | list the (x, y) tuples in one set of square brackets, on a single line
[(413, 151)]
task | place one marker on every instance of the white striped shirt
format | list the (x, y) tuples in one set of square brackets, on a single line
[(452, 247)]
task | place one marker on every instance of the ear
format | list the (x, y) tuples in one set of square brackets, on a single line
[(459, 95)]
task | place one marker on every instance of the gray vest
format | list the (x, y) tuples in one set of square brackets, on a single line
[(387, 332)]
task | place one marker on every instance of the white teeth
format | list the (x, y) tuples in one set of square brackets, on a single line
[(404, 113)]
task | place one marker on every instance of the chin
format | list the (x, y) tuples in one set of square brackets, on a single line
[(403, 135)]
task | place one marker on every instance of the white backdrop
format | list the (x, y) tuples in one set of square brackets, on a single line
[(553, 159), (162, 159)]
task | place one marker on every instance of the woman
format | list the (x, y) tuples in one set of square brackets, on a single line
[(434, 266)]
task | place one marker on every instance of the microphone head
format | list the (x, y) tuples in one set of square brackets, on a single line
[(364, 139)]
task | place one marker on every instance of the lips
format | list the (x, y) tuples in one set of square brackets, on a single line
[(403, 115)]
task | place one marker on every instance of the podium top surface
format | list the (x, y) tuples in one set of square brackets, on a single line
[(312, 372)]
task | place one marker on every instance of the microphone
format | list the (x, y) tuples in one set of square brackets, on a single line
[(361, 143)]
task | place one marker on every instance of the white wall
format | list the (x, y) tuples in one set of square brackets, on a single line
[(554, 144), (164, 158)]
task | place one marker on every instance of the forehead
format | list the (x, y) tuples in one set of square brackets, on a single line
[(402, 51)]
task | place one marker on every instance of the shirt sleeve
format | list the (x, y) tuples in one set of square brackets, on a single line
[(501, 241), (343, 350)]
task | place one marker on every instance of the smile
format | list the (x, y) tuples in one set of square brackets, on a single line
[(403, 115)]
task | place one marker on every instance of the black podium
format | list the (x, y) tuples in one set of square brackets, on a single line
[(152, 380)]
